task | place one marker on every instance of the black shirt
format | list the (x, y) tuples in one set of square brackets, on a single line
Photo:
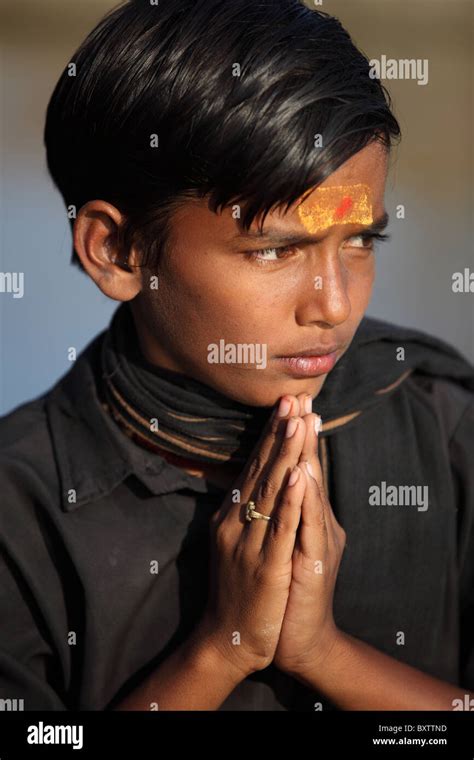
[(105, 545)]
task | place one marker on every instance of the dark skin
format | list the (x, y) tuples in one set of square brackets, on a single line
[(211, 287), (217, 282)]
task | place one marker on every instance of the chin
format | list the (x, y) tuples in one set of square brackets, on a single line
[(294, 387), (268, 391)]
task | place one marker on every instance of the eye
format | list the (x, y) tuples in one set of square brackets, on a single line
[(365, 240), (264, 255)]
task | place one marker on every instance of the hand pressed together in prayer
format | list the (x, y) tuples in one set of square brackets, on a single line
[(308, 631), (272, 582)]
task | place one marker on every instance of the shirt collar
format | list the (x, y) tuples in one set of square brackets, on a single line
[(93, 454)]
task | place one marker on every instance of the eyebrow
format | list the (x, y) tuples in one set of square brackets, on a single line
[(288, 237)]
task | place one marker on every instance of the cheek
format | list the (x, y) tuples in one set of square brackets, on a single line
[(231, 288), (360, 281), (217, 299), (246, 306)]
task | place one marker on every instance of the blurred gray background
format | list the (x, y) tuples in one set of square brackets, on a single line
[(432, 176)]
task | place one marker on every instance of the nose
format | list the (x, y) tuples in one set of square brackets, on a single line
[(324, 297)]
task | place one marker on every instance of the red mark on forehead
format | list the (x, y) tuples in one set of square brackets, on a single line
[(344, 207)]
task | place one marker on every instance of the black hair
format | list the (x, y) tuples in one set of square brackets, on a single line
[(235, 93)]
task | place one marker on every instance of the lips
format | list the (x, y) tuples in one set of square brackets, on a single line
[(310, 362), (308, 366)]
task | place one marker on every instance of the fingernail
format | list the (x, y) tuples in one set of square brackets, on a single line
[(310, 470), (318, 425), (294, 475), (284, 407), (291, 426), (308, 404)]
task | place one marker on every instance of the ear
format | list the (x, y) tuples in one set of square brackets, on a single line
[(95, 236)]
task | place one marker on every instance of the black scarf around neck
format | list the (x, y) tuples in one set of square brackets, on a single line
[(191, 420), (169, 409)]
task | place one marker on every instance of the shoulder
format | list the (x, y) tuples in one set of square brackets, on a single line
[(37, 436), (29, 487), (436, 372), (25, 441), (452, 402), (21, 422)]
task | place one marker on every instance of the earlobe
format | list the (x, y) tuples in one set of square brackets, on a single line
[(118, 281)]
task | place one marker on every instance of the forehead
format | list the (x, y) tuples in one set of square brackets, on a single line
[(365, 171), (368, 167), (354, 193)]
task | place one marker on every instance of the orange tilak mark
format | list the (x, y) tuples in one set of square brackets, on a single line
[(325, 206)]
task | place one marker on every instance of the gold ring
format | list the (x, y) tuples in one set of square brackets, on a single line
[(252, 514)]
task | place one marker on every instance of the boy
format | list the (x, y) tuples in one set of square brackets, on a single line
[(227, 164)]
